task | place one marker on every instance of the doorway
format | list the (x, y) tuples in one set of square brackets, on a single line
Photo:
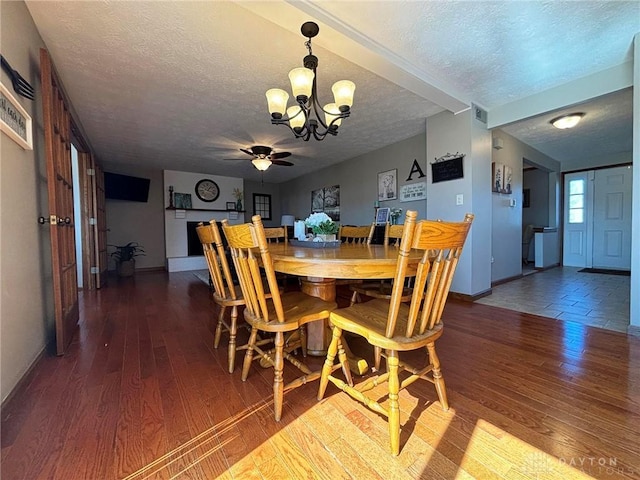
[(597, 218)]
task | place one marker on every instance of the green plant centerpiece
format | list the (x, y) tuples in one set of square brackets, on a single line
[(124, 255), (322, 226)]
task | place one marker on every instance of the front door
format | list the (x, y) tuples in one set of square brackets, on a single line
[(57, 134), (577, 219), (612, 218), (597, 218)]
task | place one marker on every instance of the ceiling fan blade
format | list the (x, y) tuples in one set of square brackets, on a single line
[(248, 152), (277, 155), (283, 163)]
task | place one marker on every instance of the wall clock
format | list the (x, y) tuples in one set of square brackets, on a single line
[(207, 190)]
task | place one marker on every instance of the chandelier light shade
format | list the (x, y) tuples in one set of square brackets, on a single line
[(567, 121), (261, 163), (307, 118)]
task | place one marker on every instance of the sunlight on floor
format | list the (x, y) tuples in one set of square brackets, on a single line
[(180, 460), (529, 461)]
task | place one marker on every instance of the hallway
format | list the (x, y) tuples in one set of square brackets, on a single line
[(564, 293)]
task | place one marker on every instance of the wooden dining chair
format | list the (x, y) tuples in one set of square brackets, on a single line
[(278, 314), (356, 234), (397, 327), (382, 289), (276, 234), (225, 294)]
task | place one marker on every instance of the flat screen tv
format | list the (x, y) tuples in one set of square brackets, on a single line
[(125, 187)]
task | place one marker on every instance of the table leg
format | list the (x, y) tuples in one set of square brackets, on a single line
[(319, 333)]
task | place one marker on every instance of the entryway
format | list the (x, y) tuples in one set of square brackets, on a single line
[(597, 218)]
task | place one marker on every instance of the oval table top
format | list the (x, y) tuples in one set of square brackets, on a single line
[(350, 261)]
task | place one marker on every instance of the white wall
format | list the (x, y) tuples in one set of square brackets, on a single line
[(448, 133), (26, 302), (507, 220), (175, 224)]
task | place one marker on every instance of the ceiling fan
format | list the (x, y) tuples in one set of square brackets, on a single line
[(264, 157)]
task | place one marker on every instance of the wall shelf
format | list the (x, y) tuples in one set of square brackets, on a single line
[(205, 209)]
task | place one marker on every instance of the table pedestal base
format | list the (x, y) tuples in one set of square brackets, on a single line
[(319, 333)]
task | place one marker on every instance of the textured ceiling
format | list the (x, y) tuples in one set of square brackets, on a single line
[(180, 85)]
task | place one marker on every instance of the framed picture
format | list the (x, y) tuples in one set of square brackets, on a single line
[(388, 185), (317, 200), (382, 215), (231, 206), (182, 200), (15, 122), (327, 200)]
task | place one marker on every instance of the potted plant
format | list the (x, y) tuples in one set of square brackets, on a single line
[(322, 226), (124, 256)]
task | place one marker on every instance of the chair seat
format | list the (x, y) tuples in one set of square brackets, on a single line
[(299, 309), (370, 321)]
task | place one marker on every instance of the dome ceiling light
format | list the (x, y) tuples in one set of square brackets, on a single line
[(567, 121)]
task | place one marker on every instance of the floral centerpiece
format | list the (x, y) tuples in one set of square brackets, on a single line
[(395, 214), (322, 226)]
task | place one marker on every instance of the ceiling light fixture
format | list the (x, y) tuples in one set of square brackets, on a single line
[(261, 163), (305, 118), (567, 121)]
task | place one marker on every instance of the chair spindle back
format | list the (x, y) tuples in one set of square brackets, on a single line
[(215, 254), (442, 244), (250, 251)]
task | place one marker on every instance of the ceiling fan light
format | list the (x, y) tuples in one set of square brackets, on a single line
[(277, 100), (331, 112), (343, 93), (301, 79), (261, 163), (296, 117), (567, 121)]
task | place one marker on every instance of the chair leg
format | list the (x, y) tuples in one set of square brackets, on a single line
[(394, 406), (278, 381), (344, 363), (233, 330), (303, 339), (216, 340), (377, 355), (328, 363), (248, 357), (355, 298), (437, 377)]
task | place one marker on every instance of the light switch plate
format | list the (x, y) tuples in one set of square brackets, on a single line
[(459, 199)]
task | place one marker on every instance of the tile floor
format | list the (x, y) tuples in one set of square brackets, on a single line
[(566, 294)]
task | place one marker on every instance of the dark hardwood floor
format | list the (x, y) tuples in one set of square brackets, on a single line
[(142, 394)]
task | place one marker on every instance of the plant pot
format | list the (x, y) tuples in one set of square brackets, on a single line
[(326, 237), (126, 268)]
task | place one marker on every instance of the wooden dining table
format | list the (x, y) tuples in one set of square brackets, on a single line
[(321, 267)]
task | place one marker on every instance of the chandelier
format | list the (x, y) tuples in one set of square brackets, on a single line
[(307, 117)]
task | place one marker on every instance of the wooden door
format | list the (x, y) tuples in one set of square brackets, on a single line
[(57, 133)]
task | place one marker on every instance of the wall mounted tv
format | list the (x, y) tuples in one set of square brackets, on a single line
[(125, 187)]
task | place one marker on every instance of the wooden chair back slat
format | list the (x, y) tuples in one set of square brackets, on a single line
[(393, 234), (250, 253), (276, 234), (214, 253), (356, 234), (442, 243)]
